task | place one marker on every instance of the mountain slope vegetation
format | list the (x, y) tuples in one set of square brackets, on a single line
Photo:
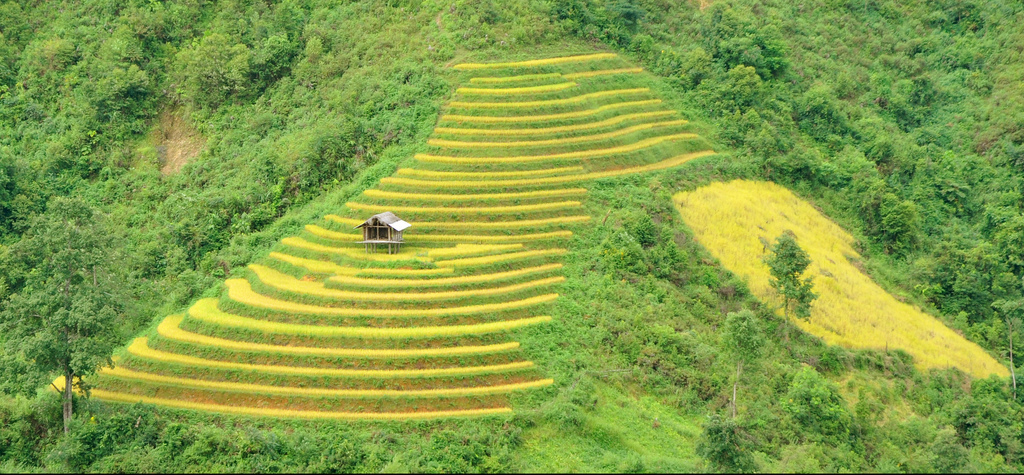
[(899, 120)]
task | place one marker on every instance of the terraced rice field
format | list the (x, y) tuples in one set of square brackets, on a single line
[(733, 220), (321, 329)]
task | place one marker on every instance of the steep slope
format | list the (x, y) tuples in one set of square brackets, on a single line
[(321, 328)]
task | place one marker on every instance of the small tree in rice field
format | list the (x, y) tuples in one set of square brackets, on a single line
[(787, 263)]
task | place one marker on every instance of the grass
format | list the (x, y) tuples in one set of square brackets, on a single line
[(466, 279), (851, 310)]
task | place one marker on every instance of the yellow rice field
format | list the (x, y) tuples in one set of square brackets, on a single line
[(206, 310), (602, 72), (282, 281), (535, 62), (317, 392), (498, 91), (170, 328), (851, 310), (240, 291), (395, 195), (484, 175), (546, 117), (555, 130), (460, 280), (562, 141), (582, 154), (519, 78), (466, 209), (549, 102)]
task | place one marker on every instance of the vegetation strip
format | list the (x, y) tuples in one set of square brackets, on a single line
[(481, 175), (603, 72), (240, 291), (122, 373), (549, 102), (555, 180), (475, 261), (282, 281), (515, 90), (140, 348), (170, 328), (484, 119), (395, 195), (552, 130), (582, 154), (535, 62), (466, 209), (562, 141), (326, 267), (521, 223), (206, 310), (508, 79), (465, 279), (353, 253), (290, 413), (461, 238)]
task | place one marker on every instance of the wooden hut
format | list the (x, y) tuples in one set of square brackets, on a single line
[(384, 228)]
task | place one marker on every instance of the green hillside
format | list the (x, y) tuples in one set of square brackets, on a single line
[(551, 309)]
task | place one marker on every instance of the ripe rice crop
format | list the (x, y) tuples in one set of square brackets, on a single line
[(478, 261), (291, 413), (282, 281), (128, 374), (472, 249), (520, 78), (561, 141), (405, 272), (484, 175), (851, 310), (522, 223), (460, 280), (319, 267), (582, 154), (396, 195), (603, 72), (206, 310), (489, 238), (140, 348), (462, 209), (549, 102), (535, 62), (555, 180), (240, 291), (554, 130), (482, 119), (170, 328), (352, 252), (487, 91)]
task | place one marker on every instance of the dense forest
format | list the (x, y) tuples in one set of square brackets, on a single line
[(191, 136)]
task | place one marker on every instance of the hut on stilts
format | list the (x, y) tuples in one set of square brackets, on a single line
[(383, 229)]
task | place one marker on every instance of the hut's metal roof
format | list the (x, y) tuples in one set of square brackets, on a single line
[(389, 219)]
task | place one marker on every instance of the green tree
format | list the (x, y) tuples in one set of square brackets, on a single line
[(787, 263), (814, 403), (744, 339), (721, 444), (62, 318)]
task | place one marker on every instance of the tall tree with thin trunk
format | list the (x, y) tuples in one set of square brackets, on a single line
[(60, 319), (787, 263), (744, 339)]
